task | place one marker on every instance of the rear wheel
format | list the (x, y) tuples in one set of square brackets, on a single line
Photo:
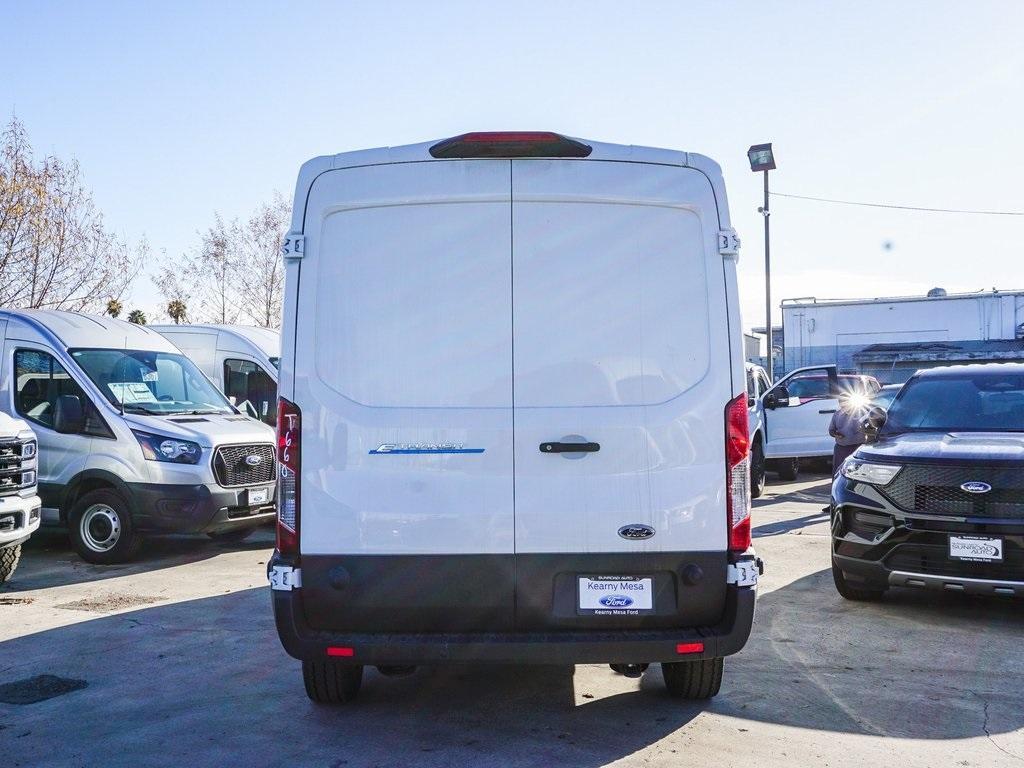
[(788, 469), (757, 469), (101, 528), (328, 682), (853, 592), (698, 679), (9, 562)]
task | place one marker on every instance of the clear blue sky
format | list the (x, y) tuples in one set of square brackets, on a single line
[(178, 110)]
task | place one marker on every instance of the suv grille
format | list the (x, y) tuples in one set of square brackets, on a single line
[(12, 473), (231, 468), (936, 488)]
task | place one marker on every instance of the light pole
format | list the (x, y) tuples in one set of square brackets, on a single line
[(762, 159)]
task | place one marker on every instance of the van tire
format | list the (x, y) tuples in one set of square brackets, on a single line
[(328, 682), (850, 592), (232, 537), (758, 469), (103, 507), (788, 469), (9, 562), (698, 679)]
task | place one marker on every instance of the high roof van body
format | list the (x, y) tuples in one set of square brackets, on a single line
[(513, 420), (240, 359)]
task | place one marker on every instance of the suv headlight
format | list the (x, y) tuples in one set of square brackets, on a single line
[(869, 472), (160, 448)]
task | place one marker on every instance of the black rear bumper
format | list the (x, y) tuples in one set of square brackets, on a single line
[(722, 637)]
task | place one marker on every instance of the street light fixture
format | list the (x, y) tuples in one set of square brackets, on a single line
[(763, 159)]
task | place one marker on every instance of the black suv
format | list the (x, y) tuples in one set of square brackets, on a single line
[(936, 500)]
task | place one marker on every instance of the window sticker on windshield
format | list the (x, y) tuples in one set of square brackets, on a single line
[(131, 392), (151, 376)]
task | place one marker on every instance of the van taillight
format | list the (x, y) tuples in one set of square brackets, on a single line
[(737, 473), (510, 144), (289, 434)]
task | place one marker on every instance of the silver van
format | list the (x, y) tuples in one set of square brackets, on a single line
[(133, 439)]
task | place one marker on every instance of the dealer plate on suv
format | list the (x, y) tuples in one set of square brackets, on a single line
[(615, 595), (979, 549), (258, 496)]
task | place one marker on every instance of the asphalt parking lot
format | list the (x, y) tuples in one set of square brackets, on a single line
[(176, 658)]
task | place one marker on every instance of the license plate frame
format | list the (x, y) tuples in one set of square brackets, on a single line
[(618, 595), (975, 549), (257, 496)]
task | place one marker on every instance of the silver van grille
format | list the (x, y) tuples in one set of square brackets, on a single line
[(233, 467), (12, 473)]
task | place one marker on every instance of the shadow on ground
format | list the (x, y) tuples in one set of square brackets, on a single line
[(48, 560), (208, 678)]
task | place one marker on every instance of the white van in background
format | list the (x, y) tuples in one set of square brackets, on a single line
[(133, 439), (513, 421), (240, 359)]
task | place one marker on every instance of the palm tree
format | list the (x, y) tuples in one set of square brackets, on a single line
[(114, 308), (177, 310), (137, 316)]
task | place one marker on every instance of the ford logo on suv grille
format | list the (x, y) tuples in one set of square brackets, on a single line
[(976, 487), (636, 531), (253, 460)]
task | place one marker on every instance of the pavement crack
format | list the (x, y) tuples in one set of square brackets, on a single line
[(988, 734)]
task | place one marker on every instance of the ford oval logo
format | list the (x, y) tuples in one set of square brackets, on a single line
[(253, 460), (976, 487), (636, 531), (616, 601)]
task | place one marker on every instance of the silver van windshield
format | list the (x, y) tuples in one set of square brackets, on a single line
[(144, 381)]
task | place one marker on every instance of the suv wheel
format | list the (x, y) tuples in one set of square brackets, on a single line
[(698, 679), (9, 562), (788, 469), (101, 528), (757, 469), (850, 592), (328, 682)]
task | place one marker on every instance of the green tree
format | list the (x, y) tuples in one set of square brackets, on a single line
[(137, 316), (114, 308), (177, 310)]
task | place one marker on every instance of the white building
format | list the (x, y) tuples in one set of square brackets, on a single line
[(890, 338)]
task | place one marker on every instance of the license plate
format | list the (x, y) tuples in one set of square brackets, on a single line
[(979, 549), (615, 595), (258, 496)]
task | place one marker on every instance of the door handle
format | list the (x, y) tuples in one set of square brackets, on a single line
[(569, 447), (832, 411)]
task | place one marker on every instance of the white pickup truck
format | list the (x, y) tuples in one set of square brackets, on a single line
[(789, 420), (19, 504)]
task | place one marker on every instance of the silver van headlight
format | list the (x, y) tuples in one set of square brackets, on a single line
[(170, 449), (869, 472)]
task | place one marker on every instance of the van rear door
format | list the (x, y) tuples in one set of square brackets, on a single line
[(403, 372), (621, 342)]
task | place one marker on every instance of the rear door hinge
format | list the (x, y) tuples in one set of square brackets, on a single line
[(285, 578), (742, 574), (293, 246), (729, 243)]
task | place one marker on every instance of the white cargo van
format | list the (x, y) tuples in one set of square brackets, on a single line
[(133, 439), (240, 359), (19, 504), (513, 421)]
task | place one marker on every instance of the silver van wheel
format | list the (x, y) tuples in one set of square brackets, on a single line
[(100, 528)]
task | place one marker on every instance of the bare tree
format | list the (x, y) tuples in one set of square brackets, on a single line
[(55, 250), (235, 274)]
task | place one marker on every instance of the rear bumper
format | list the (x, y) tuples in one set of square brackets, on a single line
[(724, 637), (164, 508)]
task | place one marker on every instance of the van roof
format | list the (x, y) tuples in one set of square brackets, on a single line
[(72, 330), (267, 340), (412, 153)]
